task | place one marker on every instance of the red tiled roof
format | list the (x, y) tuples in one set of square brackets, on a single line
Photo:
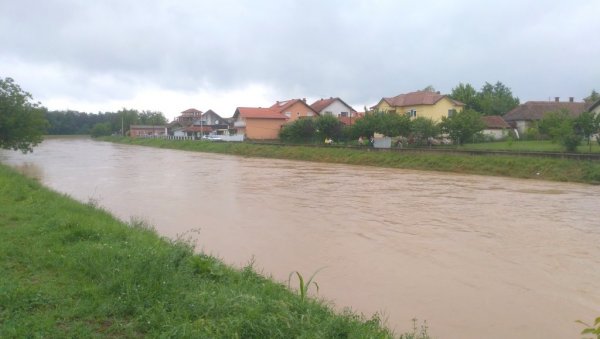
[(191, 110), (319, 105), (494, 122), (535, 110), (351, 120), (258, 113), (417, 98), (281, 106)]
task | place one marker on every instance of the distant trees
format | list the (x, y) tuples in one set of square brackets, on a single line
[(73, 122), (494, 99), (568, 131), (22, 121), (593, 97)]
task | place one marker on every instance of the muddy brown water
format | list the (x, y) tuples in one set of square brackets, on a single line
[(474, 256)]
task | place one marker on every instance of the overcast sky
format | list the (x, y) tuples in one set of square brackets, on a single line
[(169, 55)]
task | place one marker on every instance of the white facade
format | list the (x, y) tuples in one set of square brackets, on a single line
[(336, 109)]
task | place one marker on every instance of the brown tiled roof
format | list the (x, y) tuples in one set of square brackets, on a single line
[(319, 105), (258, 113), (191, 111), (417, 98), (494, 122), (351, 120), (281, 106), (535, 110)]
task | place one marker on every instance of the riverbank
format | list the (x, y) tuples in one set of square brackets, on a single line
[(566, 170), (72, 270)]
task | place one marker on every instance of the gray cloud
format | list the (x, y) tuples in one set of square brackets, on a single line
[(360, 50)]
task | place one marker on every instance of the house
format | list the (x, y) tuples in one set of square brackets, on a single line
[(194, 123), (495, 127), (136, 131), (523, 116), (258, 123), (350, 120), (294, 109), (188, 116), (432, 105), (333, 106)]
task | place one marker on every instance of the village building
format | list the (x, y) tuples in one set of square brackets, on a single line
[(525, 115), (431, 105), (495, 127), (137, 131)]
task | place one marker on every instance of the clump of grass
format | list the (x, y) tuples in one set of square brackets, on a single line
[(302, 285), (591, 329)]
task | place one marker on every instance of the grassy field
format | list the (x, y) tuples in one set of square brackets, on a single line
[(528, 146), (70, 270), (509, 166)]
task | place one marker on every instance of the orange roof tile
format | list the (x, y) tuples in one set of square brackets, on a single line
[(258, 113)]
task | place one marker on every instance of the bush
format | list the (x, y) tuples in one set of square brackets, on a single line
[(101, 129), (301, 130)]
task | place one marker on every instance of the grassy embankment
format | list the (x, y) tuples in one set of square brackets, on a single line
[(583, 171), (529, 146), (70, 270)]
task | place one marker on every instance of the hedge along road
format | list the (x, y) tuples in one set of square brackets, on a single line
[(475, 256)]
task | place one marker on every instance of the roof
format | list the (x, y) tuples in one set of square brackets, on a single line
[(494, 122), (535, 110), (258, 113), (593, 106), (191, 111), (195, 128), (209, 112), (320, 105), (351, 120), (418, 98), (281, 106), (148, 126)]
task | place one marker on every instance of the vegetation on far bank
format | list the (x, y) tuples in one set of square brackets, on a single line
[(509, 166), (72, 270)]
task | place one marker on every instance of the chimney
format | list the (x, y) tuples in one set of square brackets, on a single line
[(438, 92), (304, 99), (571, 99), (556, 99)]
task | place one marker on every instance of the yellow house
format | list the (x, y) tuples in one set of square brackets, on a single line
[(425, 104)]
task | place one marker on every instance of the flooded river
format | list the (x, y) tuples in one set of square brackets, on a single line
[(477, 257)]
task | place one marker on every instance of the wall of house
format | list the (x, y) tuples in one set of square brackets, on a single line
[(140, 132), (522, 126), (336, 108), (434, 112), (495, 134), (263, 128), (298, 110)]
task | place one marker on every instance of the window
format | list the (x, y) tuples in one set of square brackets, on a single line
[(344, 114), (328, 113), (391, 110), (288, 114), (412, 113), (309, 114), (451, 112)]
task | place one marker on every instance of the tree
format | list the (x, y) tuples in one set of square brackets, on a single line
[(586, 125), (466, 94), (551, 122), (561, 128), (429, 88), (22, 122), (389, 124), (152, 118), (328, 126), (301, 130), (495, 99), (424, 128), (593, 97), (101, 129), (463, 125)]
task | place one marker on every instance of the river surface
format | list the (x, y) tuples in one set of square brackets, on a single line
[(474, 256)]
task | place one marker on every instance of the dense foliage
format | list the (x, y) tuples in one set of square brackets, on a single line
[(462, 126), (22, 121), (496, 99), (73, 122), (568, 131)]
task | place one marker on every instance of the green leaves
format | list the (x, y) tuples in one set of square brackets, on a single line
[(462, 126), (22, 122)]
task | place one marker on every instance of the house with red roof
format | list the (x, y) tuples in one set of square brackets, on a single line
[(265, 123), (294, 109), (432, 105), (495, 127), (525, 115), (333, 106), (258, 122)]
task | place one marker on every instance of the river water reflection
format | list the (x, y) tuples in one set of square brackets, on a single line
[(477, 257)]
